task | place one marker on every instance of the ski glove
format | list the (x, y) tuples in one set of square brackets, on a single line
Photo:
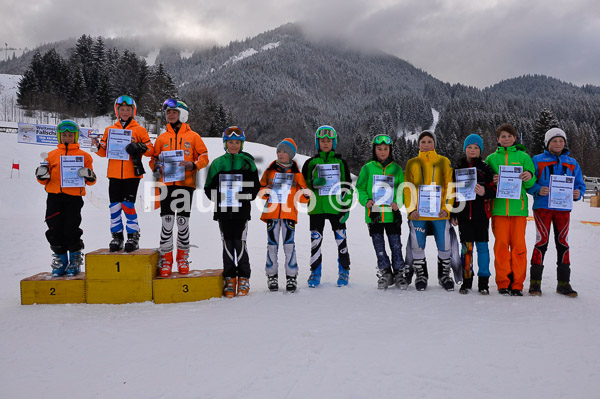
[(87, 174), (319, 182), (157, 172), (136, 148), (42, 172)]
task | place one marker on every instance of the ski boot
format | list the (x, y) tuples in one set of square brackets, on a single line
[(117, 242), (315, 277), (291, 284), (535, 287), (183, 265), (75, 264), (483, 285), (133, 240), (343, 276), (273, 283), (165, 263), (420, 267), (444, 278), (60, 262), (466, 285), (386, 279), (515, 292), (230, 287), (243, 286), (564, 288), (400, 279)]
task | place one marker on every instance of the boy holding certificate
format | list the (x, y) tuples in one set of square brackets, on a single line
[(559, 183), (328, 176), (123, 144), (428, 204), (513, 174), (475, 188), (64, 174), (178, 154), (379, 192), (282, 186), (232, 184)]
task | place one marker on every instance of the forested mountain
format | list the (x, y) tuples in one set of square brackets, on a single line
[(283, 83)]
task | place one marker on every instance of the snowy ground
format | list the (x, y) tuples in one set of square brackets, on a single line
[(328, 342)]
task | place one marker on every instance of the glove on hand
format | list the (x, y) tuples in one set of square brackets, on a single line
[(42, 172), (136, 148), (87, 174), (319, 182)]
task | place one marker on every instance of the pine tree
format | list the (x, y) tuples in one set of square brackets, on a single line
[(545, 122)]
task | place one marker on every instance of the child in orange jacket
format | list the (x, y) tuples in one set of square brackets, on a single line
[(65, 173), (282, 186)]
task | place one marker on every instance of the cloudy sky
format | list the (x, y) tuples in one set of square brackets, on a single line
[(474, 42)]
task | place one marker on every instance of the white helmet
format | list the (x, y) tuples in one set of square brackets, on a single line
[(178, 106)]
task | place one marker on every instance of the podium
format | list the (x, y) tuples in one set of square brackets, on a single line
[(195, 286), (44, 289)]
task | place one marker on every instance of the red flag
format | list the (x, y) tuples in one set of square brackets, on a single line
[(16, 166)]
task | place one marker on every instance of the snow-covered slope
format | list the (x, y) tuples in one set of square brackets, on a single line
[(328, 342)]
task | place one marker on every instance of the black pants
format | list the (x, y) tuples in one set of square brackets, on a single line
[(63, 217), (236, 262), (123, 190), (178, 200)]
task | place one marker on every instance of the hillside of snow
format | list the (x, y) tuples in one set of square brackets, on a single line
[(328, 342)]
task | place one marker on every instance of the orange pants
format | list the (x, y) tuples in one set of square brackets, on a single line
[(510, 250)]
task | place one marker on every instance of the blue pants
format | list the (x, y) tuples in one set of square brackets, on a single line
[(420, 229)]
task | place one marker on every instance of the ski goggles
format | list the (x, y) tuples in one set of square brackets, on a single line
[(326, 132), (125, 100), (67, 126), (382, 139), (171, 103), (234, 133)]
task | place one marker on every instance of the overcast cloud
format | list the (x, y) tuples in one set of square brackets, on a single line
[(474, 42)]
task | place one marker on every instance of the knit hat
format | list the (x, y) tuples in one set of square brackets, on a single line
[(552, 133), (473, 139), (289, 146), (427, 133)]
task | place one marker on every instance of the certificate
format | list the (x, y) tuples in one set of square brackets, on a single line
[(331, 173), (282, 185), (466, 180), (229, 186), (172, 171), (69, 166), (383, 190), (509, 183), (117, 140), (561, 192), (430, 200)]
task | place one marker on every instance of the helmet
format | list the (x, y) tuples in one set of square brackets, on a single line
[(178, 106), (67, 125), (233, 133), (125, 100), (325, 131)]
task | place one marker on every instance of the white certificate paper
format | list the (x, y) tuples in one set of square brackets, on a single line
[(229, 186), (509, 183), (561, 192), (172, 171), (282, 185), (466, 180), (332, 174), (430, 200), (383, 189), (117, 140), (69, 166)]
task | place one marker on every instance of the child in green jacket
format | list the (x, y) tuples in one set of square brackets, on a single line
[(379, 192)]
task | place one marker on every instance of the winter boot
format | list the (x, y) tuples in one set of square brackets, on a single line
[(291, 285), (133, 240), (386, 278), (564, 288), (273, 283), (243, 286), (483, 284), (400, 279), (343, 276), (165, 263), (315, 277), (420, 267), (75, 264), (444, 278), (60, 262), (230, 287), (516, 293), (535, 287), (466, 285), (116, 243), (183, 265)]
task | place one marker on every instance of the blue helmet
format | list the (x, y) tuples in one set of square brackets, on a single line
[(325, 131), (233, 133)]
